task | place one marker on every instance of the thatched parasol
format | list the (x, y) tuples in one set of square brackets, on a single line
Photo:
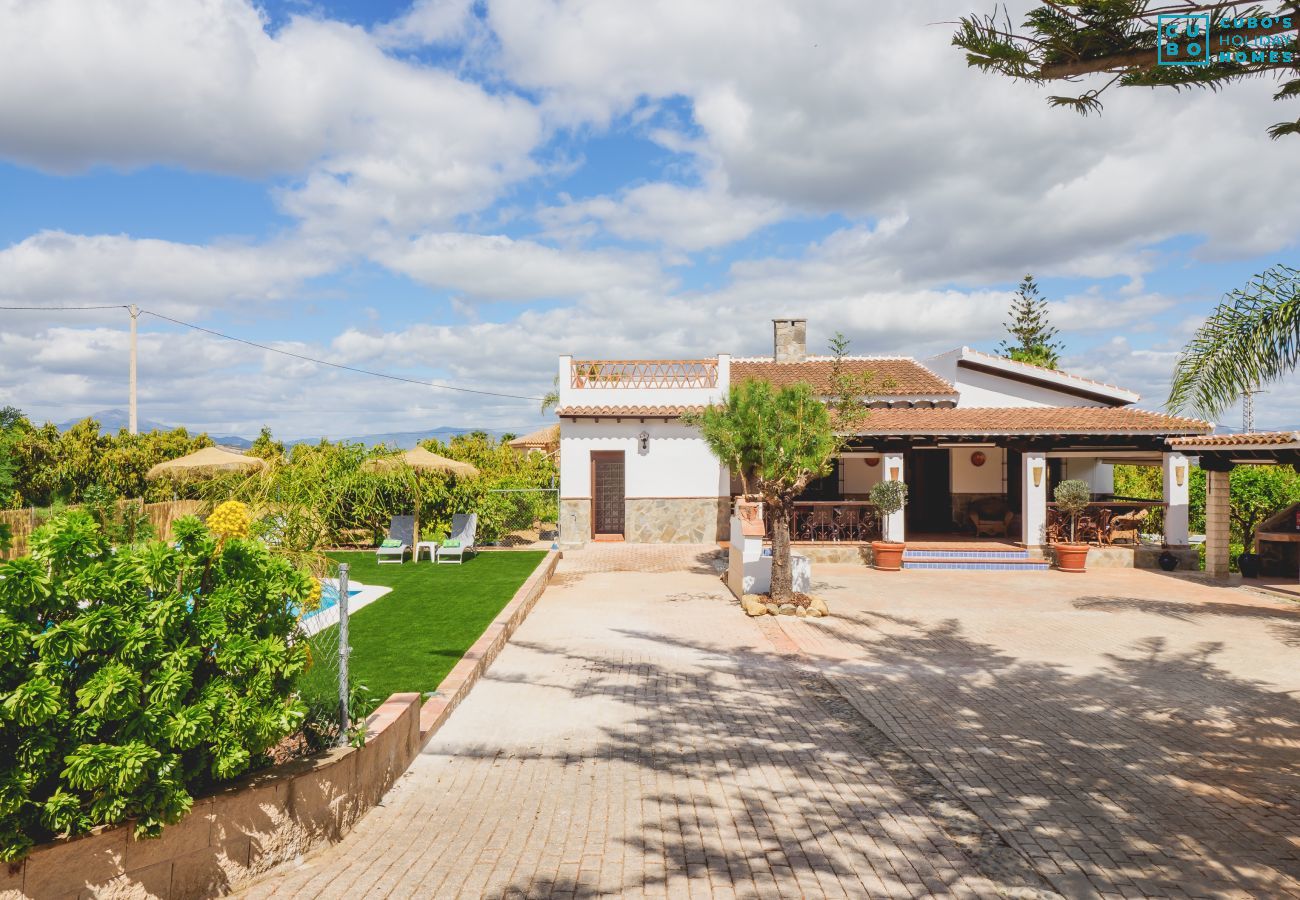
[(208, 461), (422, 461), (418, 459)]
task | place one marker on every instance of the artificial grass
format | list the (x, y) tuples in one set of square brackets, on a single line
[(409, 639)]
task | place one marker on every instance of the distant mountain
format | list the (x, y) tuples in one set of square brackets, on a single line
[(113, 420), (405, 440)]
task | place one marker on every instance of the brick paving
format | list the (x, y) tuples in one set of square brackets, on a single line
[(1135, 735), (639, 737), (944, 734)]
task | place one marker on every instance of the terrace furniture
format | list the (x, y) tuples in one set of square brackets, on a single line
[(430, 546), (402, 530), (463, 529), (991, 516), (1127, 526), (822, 524)]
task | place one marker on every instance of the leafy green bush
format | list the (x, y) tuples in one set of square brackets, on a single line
[(129, 680)]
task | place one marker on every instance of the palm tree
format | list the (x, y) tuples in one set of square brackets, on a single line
[(1253, 337), (552, 397)]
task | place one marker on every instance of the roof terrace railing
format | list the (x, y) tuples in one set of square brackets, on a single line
[(643, 373)]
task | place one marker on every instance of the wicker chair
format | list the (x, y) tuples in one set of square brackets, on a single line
[(1128, 526)]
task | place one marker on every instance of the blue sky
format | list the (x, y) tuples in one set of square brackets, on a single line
[(461, 191)]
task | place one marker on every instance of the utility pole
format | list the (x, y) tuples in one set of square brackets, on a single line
[(133, 423)]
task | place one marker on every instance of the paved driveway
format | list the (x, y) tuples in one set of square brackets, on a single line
[(1130, 733), (943, 735)]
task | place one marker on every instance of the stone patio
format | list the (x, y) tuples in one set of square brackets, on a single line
[(1121, 734)]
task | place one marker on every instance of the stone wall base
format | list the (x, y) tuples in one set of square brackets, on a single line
[(691, 520), (653, 520)]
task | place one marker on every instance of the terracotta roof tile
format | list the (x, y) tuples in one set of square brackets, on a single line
[(542, 437), (1028, 420), (656, 412), (1249, 439), (903, 375)]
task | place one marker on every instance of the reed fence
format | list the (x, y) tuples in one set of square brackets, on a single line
[(162, 516)]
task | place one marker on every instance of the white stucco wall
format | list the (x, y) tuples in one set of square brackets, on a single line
[(968, 478), (677, 463), (985, 389), (859, 477), (1100, 476)]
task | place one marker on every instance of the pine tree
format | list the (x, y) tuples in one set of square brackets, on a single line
[(1033, 334)]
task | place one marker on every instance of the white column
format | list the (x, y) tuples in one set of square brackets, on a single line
[(1217, 548), (1177, 479), (1033, 498), (893, 524)]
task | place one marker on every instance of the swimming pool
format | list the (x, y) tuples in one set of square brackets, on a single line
[(329, 597)]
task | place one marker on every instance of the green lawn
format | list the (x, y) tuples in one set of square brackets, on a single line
[(410, 638)]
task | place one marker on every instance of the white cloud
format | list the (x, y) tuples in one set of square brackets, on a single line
[(495, 267), (202, 84), (53, 268), (662, 212), (866, 110)]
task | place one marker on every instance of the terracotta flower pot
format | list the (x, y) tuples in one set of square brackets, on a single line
[(887, 555), (1071, 557)]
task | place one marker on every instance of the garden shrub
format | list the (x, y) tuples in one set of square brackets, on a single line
[(132, 679)]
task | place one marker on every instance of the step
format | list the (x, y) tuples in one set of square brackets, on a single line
[(979, 564), (967, 553)]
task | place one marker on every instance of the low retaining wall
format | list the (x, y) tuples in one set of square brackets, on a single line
[(233, 837)]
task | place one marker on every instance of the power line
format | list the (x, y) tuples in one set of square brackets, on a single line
[(66, 308), (310, 359)]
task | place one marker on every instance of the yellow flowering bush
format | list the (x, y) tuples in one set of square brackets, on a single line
[(312, 603), (230, 520)]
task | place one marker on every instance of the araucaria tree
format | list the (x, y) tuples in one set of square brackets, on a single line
[(778, 439), (1252, 338), (1120, 42), (1032, 335)]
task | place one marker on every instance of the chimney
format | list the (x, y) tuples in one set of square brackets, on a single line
[(789, 340)]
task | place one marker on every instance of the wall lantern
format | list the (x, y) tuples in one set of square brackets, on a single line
[(872, 461), (978, 458), (893, 473), (1180, 473), (1038, 474), (644, 438)]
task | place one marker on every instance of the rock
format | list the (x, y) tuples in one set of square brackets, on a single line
[(772, 609), (800, 611), (820, 605), (815, 613), (786, 609), (753, 606)]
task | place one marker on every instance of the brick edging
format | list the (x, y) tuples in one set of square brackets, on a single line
[(454, 688)]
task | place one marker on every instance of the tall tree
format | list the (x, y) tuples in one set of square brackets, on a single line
[(779, 439), (1068, 40), (1032, 334), (1251, 338)]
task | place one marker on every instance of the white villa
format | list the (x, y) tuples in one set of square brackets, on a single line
[(980, 440)]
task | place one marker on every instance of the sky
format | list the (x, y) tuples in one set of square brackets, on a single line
[(458, 192)]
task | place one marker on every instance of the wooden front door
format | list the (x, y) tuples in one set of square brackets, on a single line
[(607, 494)]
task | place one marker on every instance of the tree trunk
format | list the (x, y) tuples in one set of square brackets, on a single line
[(782, 590)]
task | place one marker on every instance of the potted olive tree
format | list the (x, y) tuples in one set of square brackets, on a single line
[(1072, 498), (888, 497)]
